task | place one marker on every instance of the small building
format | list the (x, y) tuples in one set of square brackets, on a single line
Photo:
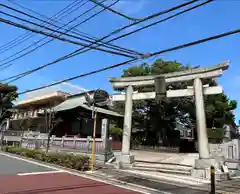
[(77, 120), (34, 110)]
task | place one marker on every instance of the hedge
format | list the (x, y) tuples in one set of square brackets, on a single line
[(78, 162)]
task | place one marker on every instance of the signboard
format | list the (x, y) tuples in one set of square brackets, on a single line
[(100, 96)]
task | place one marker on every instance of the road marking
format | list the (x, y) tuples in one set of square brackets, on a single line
[(120, 184), (37, 173)]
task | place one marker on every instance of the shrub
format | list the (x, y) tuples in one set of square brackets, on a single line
[(78, 162), (116, 133)]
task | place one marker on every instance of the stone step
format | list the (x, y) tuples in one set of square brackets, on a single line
[(163, 170), (159, 165), (178, 178)]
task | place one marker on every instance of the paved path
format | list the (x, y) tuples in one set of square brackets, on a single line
[(18, 176)]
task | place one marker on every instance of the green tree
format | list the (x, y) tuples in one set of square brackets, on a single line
[(8, 94), (154, 117)]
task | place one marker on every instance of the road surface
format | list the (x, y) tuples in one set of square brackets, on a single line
[(19, 176)]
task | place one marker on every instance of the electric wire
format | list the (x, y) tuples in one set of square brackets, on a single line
[(114, 11), (70, 55), (52, 40), (26, 36), (75, 31), (18, 25), (133, 60)]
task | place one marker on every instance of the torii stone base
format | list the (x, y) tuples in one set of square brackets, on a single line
[(125, 161), (202, 168)]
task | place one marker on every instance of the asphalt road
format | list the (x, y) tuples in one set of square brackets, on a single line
[(21, 176), (11, 166)]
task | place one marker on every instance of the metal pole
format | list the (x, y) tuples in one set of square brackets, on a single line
[(212, 175), (93, 139)]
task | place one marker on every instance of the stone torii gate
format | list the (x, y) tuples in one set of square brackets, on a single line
[(129, 84)]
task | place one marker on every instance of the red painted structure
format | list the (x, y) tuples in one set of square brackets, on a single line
[(56, 183)]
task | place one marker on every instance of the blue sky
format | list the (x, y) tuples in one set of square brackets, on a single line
[(214, 18)]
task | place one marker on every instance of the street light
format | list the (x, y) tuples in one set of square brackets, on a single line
[(99, 98)]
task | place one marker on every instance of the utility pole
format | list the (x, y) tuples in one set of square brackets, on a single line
[(99, 98), (49, 125)]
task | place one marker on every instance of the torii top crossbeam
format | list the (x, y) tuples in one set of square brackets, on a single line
[(187, 75)]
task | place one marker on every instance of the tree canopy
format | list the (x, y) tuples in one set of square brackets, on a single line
[(155, 118), (8, 93)]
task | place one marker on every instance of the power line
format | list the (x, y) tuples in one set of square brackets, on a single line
[(42, 20), (26, 36), (162, 20), (133, 60), (29, 35), (76, 31), (120, 49), (58, 37), (151, 17), (144, 27), (23, 7), (45, 27), (114, 11), (26, 14), (76, 52)]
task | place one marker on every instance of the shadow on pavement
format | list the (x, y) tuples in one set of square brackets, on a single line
[(54, 189), (161, 186)]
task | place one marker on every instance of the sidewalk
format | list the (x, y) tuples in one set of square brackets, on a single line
[(174, 184), (156, 184)]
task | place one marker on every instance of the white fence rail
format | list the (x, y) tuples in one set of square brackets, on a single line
[(230, 150), (68, 143), (74, 144)]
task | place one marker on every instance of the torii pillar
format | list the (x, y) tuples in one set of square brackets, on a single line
[(201, 120), (126, 158)]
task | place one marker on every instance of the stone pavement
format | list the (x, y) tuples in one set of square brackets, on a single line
[(175, 158)]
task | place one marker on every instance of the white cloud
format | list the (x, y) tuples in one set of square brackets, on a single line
[(130, 7)]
